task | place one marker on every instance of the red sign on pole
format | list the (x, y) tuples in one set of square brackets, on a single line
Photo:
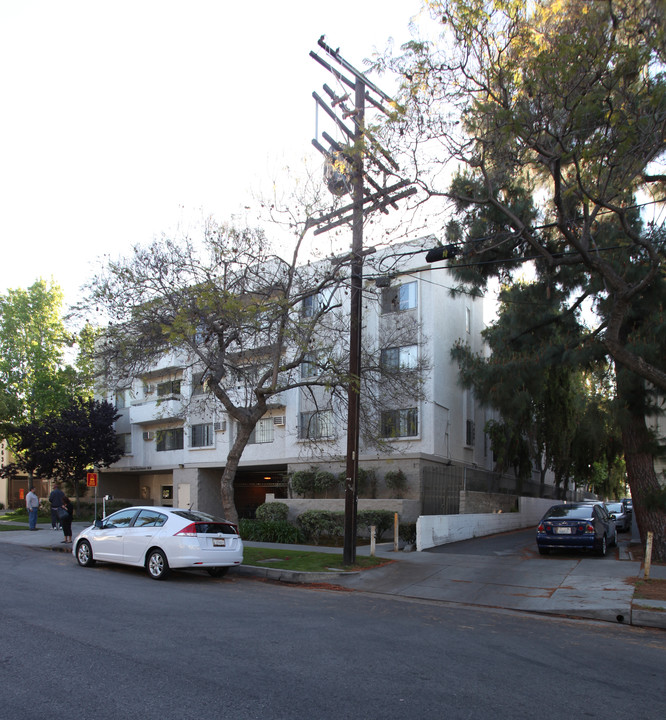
[(92, 479)]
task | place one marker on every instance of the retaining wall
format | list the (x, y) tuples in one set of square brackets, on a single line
[(433, 530)]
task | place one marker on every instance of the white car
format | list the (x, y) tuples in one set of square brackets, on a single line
[(161, 539)]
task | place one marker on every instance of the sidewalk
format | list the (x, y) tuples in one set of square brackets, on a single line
[(569, 586)]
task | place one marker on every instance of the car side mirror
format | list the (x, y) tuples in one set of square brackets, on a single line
[(613, 517), (99, 524)]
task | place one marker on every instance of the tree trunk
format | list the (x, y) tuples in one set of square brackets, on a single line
[(643, 482), (233, 459)]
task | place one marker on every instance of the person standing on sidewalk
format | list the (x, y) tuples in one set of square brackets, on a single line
[(32, 504), (56, 498), (66, 522)]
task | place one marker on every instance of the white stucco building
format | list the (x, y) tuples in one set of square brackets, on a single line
[(176, 440)]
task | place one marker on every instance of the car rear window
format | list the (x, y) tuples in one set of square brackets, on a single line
[(196, 516), (614, 507), (579, 513), (216, 527)]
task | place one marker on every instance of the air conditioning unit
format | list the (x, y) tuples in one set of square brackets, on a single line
[(148, 435), (278, 420), (220, 426)]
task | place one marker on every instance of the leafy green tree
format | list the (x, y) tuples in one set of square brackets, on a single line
[(540, 399), (551, 115), (68, 444), (34, 379)]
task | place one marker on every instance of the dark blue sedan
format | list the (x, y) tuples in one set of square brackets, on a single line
[(576, 526)]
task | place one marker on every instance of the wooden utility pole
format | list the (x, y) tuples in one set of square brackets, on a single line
[(381, 197), (356, 321)]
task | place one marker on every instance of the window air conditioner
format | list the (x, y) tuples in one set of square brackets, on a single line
[(220, 426), (278, 420), (148, 435)]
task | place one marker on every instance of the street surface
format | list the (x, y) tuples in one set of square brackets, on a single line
[(109, 642)]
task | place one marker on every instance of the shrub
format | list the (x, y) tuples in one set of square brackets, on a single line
[(324, 481), (317, 523), (272, 512), (277, 531), (367, 482), (396, 481), (381, 519), (302, 482), (407, 532)]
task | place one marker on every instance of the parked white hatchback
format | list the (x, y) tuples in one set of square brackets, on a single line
[(161, 539)]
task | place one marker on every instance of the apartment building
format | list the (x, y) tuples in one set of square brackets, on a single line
[(176, 436)]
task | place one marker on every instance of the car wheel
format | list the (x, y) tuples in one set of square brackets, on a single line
[(84, 554), (544, 551), (615, 537), (601, 550), (217, 571), (157, 565)]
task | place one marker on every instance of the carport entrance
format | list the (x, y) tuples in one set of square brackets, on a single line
[(252, 484)]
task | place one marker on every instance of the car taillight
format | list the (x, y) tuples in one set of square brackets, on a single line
[(189, 531), (589, 528), (541, 528)]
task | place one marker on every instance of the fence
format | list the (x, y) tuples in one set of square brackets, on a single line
[(442, 487)]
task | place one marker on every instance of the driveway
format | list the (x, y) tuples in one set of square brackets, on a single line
[(506, 571)]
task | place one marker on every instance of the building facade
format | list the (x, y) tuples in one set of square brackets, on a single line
[(176, 436)]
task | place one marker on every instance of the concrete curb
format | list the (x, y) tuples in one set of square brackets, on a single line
[(648, 613), (291, 576)]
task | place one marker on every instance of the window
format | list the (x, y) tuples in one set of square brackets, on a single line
[(263, 432), (121, 519), (201, 435), (169, 439), (470, 432), (199, 384), (171, 387), (400, 423), (316, 425), (402, 297), (125, 443), (314, 303), (399, 358), (150, 518), (310, 306), (308, 366), (468, 320), (121, 398)]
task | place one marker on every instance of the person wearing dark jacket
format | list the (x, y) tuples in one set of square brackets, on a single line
[(66, 521), (56, 498)]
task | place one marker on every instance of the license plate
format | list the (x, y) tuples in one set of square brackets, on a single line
[(219, 542), (563, 530)]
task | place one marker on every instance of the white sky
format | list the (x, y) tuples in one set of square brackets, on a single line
[(122, 118)]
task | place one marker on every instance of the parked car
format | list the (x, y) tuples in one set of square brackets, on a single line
[(622, 517), (161, 539), (576, 526), (628, 504)]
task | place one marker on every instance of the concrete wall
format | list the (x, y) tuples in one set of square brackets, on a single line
[(433, 530)]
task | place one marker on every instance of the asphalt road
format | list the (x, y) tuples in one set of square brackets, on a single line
[(110, 642)]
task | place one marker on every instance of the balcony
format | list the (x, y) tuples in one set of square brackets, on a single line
[(154, 412)]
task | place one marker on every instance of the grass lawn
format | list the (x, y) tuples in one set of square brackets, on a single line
[(304, 560)]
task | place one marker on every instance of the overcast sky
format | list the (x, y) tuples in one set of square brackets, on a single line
[(122, 119)]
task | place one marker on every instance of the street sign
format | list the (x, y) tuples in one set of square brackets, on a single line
[(91, 480)]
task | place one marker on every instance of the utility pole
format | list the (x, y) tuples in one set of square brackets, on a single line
[(352, 154), (356, 322)]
